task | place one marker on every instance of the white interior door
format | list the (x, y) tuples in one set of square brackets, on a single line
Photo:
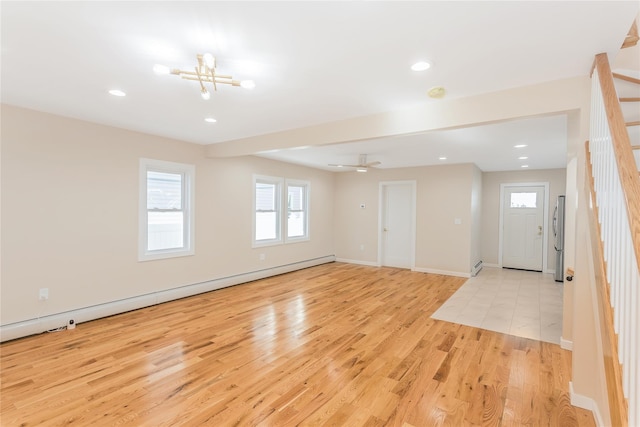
[(523, 227), (397, 224)]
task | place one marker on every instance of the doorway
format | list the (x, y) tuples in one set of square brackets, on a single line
[(523, 226), (397, 224)]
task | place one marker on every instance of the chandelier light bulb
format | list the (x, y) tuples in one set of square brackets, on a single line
[(209, 60), (205, 94), (160, 69), (248, 84)]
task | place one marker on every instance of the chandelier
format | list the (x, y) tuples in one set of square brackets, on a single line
[(205, 72)]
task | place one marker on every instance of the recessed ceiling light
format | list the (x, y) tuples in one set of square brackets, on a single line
[(522, 158), (421, 66), (361, 170), (520, 146), (210, 120), (117, 92), (160, 69), (524, 166), (442, 158)]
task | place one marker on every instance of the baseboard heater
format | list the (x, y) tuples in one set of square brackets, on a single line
[(46, 323), (476, 269)]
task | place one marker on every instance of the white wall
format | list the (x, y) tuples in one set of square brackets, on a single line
[(443, 194), (70, 215)]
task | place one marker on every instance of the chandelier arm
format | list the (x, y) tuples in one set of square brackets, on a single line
[(200, 80), (205, 74)]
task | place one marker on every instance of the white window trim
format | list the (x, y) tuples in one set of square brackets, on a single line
[(280, 232), (307, 185), (189, 172)]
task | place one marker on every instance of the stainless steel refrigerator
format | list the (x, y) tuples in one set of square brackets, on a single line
[(558, 233)]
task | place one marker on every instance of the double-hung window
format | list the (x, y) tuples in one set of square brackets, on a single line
[(267, 200), (166, 223), (297, 210), (281, 210)]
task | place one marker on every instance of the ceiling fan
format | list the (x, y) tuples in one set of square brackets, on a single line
[(362, 165)]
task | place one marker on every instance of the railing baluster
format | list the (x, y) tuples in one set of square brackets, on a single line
[(616, 185)]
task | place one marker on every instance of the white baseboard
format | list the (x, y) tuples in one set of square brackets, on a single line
[(587, 403), (46, 323), (416, 269), (443, 272), (566, 344), (355, 261)]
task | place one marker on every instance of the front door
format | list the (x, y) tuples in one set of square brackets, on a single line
[(523, 227)]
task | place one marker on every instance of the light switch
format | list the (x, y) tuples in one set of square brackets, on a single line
[(457, 221)]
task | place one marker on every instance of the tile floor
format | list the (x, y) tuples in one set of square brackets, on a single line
[(522, 303)]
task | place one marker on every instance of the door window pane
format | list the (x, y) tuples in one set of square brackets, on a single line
[(524, 200)]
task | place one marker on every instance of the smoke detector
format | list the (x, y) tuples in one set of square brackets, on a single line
[(436, 92)]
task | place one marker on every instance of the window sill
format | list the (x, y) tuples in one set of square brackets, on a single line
[(152, 256)]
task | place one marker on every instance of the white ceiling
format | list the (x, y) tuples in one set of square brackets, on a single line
[(313, 62)]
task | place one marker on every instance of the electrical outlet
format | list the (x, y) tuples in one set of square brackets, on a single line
[(43, 295), (262, 257)]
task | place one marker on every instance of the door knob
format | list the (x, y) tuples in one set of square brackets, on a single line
[(385, 229), (539, 230)]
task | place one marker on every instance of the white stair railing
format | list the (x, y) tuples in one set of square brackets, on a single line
[(617, 190)]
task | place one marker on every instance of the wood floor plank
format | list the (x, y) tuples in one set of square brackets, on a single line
[(336, 344)]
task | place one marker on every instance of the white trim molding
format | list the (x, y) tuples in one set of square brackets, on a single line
[(442, 272), (358, 262), (566, 344), (486, 264), (587, 403)]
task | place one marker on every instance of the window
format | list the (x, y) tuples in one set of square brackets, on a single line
[(166, 209), (267, 212), (524, 200), (273, 198), (297, 210)]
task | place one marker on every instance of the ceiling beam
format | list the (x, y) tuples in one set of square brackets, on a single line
[(542, 99)]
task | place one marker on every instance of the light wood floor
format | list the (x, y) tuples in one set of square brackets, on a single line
[(337, 344)]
